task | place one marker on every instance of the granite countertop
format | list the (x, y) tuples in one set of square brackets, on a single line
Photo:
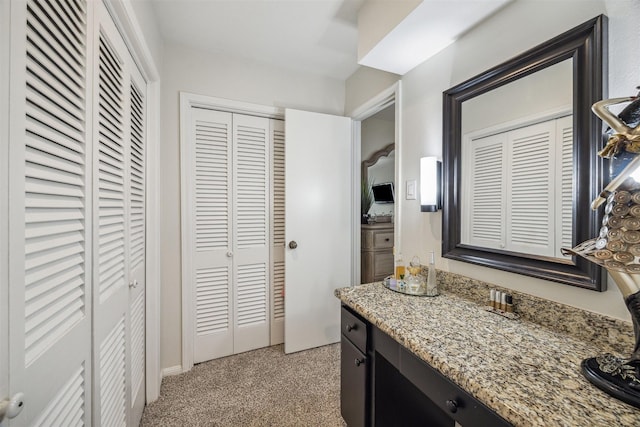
[(527, 373)]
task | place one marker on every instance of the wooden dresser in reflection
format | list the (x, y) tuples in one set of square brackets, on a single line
[(376, 254)]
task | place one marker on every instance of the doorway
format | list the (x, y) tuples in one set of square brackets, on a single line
[(377, 151), (389, 98)]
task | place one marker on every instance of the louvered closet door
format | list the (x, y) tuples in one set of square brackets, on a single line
[(50, 213), (251, 269), (136, 232), (530, 189), (211, 215), (112, 134), (484, 225), (277, 231), (564, 192)]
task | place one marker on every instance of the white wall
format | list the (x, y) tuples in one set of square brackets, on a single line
[(364, 84), (518, 27), (224, 77), (538, 93), (378, 18), (146, 16)]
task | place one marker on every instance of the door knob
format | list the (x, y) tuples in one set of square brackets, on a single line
[(229, 254), (359, 361), (133, 284), (293, 244), (10, 408)]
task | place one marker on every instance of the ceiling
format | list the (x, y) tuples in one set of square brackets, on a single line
[(315, 36)]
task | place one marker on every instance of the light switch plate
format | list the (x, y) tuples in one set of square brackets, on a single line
[(411, 190)]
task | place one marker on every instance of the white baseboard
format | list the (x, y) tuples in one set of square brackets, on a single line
[(171, 370)]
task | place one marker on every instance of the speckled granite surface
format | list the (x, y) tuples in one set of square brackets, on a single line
[(616, 335), (527, 373)]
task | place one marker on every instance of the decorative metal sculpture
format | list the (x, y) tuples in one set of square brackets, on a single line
[(617, 248)]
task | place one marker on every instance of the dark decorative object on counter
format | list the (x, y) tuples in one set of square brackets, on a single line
[(617, 248)]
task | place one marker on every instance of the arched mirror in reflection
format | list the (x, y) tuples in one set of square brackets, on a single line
[(519, 160)]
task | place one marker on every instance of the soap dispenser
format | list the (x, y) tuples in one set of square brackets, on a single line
[(432, 284)]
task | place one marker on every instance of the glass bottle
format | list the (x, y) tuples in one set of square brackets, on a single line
[(413, 279), (399, 267), (432, 284)]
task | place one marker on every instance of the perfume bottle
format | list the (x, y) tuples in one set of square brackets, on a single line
[(415, 281), (400, 269), (432, 285)]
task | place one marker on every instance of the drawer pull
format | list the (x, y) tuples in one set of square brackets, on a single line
[(359, 362), (352, 328), (452, 405)]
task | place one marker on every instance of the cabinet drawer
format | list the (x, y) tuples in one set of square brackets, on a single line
[(353, 385), (354, 328), (382, 265), (447, 395), (382, 239)]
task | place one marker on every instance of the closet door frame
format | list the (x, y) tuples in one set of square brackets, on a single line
[(127, 23), (188, 101)]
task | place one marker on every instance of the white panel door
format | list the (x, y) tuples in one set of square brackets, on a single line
[(50, 213), (211, 213), (318, 219), (277, 231), (251, 240), (112, 132), (136, 231)]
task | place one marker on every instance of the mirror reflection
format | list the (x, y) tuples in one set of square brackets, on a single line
[(517, 165)]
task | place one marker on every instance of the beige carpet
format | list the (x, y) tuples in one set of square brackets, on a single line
[(263, 387)]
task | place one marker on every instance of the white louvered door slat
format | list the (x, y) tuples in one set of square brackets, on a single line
[(136, 227), (277, 231), (112, 110), (486, 218), (564, 170), (251, 201), (530, 192), (50, 213), (211, 209)]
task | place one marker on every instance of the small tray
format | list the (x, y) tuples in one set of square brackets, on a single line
[(390, 284)]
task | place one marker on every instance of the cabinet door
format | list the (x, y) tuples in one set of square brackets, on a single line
[(353, 384)]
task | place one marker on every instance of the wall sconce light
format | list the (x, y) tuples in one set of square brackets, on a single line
[(430, 184)]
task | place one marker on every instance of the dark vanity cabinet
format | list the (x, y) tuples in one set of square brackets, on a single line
[(354, 369), (384, 384)]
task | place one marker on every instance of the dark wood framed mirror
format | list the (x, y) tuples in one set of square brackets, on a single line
[(582, 51)]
